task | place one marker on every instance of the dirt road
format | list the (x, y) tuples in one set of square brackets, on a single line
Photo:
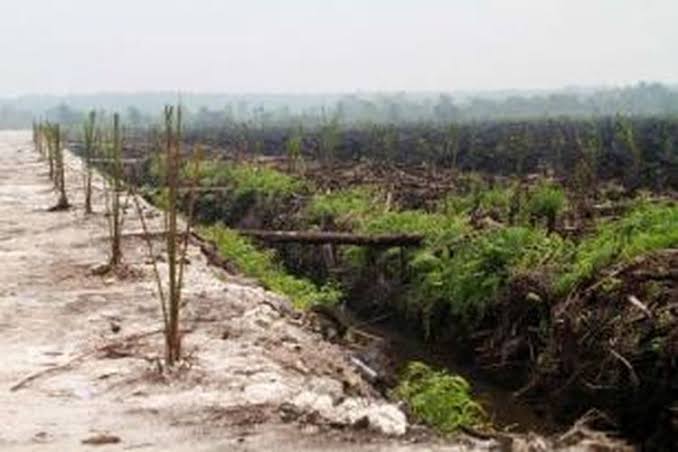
[(254, 379)]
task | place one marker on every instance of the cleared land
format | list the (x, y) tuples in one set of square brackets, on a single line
[(81, 351)]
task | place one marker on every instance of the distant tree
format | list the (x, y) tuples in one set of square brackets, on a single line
[(667, 166), (134, 116), (294, 149), (585, 177), (451, 145), (329, 141), (64, 115), (445, 110), (391, 142), (625, 135), (557, 144)]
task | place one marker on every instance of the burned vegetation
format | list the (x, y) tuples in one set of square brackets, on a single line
[(542, 254)]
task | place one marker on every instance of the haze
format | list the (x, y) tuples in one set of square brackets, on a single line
[(302, 46)]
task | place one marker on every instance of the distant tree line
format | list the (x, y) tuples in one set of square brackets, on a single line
[(214, 110)]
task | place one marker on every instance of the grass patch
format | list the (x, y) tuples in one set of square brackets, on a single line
[(262, 265), (439, 399), (645, 229), (250, 179), (245, 189), (436, 228), (243, 178), (348, 208), (496, 201), (546, 203)]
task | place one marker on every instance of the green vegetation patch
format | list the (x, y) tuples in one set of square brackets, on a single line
[(511, 203), (435, 227), (351, 207), (262, 265), (645, 229), (250, 179), (245, 188), (546, 202), (497, 200), (438, 230), (469, 276), (439, 399)]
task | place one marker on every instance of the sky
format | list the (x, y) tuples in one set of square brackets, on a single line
[(311, 46)]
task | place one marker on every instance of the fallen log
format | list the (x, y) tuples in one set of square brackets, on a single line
[(336, 238)]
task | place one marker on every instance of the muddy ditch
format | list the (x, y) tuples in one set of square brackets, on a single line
[(611, 346), (537, 367)]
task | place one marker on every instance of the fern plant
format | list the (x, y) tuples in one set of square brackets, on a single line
[(546, 203), (440, 399), (644, 229)]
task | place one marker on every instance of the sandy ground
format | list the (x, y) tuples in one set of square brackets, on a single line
[(253, 379)]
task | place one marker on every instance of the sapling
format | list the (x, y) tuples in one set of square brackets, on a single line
[(39, 138), (452, 145), (626, 136), (47, 136), (60, 174), (173, 161), (116, 254), (35, 136), (293, 147), (170, 299), (112, 192), (89, 138), (329, 141)]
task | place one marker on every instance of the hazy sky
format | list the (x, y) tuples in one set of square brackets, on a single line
[(68, 46)]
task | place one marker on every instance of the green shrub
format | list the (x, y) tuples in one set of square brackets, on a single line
[(546, 203), (246, 179), (471, 275), (261, 265), (349, 208), (457, 204), (439, 399), (435, 227), (496, 200), (644, 229), (244, 189)]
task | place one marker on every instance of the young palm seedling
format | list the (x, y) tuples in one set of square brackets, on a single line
[(294, 146), (173, 161), (47, 137), (60, 170), (39, 138), (176, 241), (113, 190), (35, 136), (42, 149), (90, 139)]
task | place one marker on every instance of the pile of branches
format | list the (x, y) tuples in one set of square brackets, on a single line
[(614, 345)]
